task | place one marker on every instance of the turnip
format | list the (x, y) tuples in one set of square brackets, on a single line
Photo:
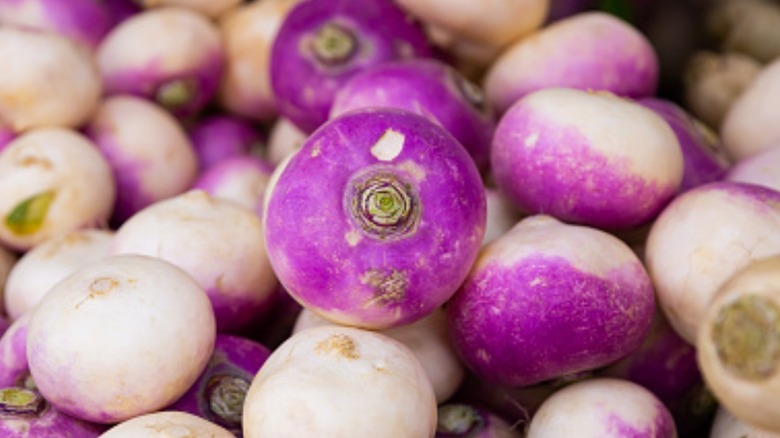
[(458, 420), (150, 154), (587, 157), (120, 337), (167, 424), (52, 181), (7, 261), (85, 21), (218, 137), (429, 88), (52, 81), (210, 8), (248, 32), (14, 370), (760, 169), (502, 215), (25, 414), (429, 341), (547, 300), (703, 157), (227, 259), (242, 180), (737, 343), (713, 81), (283, 139), (703, 237), (726, 425), (50, 261), (218, 394), (377, 219), (340, 382), (171, 55), (600, 408), (746, 26), (592, 50), (6, 135), (322, 43)]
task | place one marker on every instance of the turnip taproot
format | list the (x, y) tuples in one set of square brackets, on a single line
[(123, 336), (377, 219), (322, 43), (167, 424), (340, 382), (85, 21)]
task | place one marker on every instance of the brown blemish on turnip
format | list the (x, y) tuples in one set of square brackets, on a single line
[(98, 287), (388, 287), (338, 344), (746, 335)]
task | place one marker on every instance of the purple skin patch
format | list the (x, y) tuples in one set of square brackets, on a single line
[(44, 420), (564, 175), (218, 394), (701, 162), (218, 137), (4, 324), (201, 81), (6, 136), (234, 311), (662, 426), (121, 10), (86, 21), (328, 249), (223, 174), (429, 88), (540, 318), (13, 353), (304, 85)]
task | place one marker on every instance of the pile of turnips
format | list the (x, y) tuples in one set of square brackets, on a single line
[(385, 218)]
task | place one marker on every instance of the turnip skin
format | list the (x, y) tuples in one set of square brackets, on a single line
[(458, 420), (547, 300), (322, 43), (760, 169), (85, 21), (50, 261), (218, 394), (352, 262), (166, 424), (701, 238), (25, 414), (502, 214), (8, 259), (429, 88), (150, 154), (84, 340), (588, 51), (172, 55), (221, 136), (209, 8), (284, 139), (737, 343), (565, 152), (597, 408), (726, 425), (242, 180), (340, 382), (228, 258), (13, 347)]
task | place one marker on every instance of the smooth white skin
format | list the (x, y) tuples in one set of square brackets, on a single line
[(51, 81), (175, 39), (429, 341), (245, 188), (726, 425), (492, 22), (580, 408), (147, 134), (248, 32), (167, 424), (218, 243), (760, 169), (49, 262), (752, 399), (713, 81), (502, 215), (123, 336), (283, 139), (210, 8), (697, 243), (8, 260), (340, 382), (749, 126), (65, 162)]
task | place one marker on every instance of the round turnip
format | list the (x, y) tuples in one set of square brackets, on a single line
[(221, 136), (85, 21), (14, 370), (210, 8), (167, 424), (243, 180)]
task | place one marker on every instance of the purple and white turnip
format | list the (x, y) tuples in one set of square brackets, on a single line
[(243, 180)]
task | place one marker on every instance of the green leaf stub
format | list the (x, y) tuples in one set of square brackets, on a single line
[(28, 216)]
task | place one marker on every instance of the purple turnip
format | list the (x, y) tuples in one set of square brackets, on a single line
[(150, 154), (167, 424), (171, 55), (50, 261), (14, 370), (52, 81), (589, 51), (322, 43), (377, 219), (141, 328), (52, 181), (228, 258), (121, 10), (242, 180), (587, 157), (24, 413), (458, 420), (598, 408), (85, 21), (218, 137), (340, 382), (429, 88), (547, 300), (218, 394)]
